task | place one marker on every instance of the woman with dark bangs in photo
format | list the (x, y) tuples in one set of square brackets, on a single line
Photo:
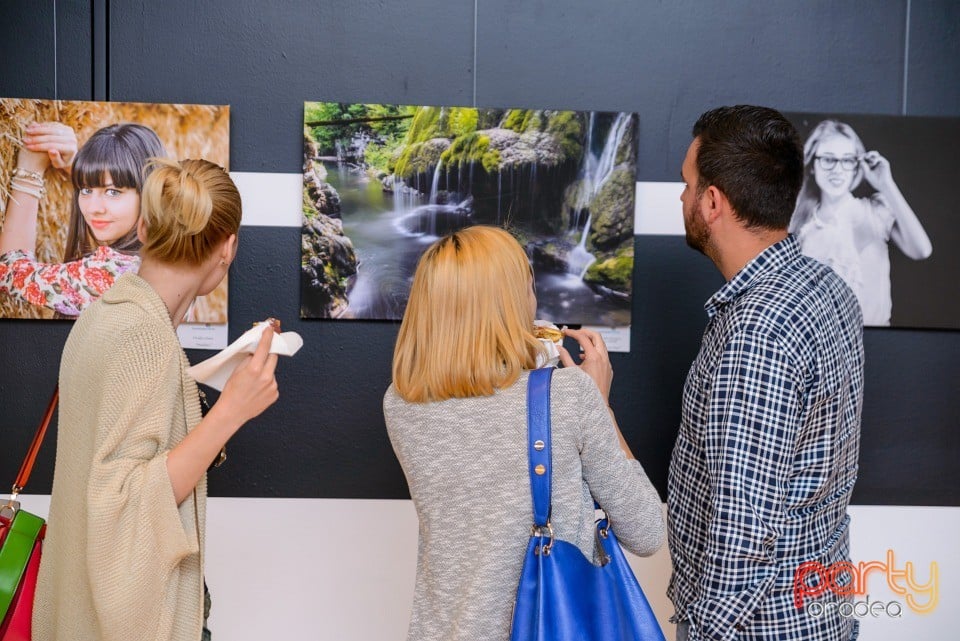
[(107, 173)]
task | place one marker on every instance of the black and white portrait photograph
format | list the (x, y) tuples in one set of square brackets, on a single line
[(875, 207)]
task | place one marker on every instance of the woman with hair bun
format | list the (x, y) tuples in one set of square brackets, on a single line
[(123, 558)]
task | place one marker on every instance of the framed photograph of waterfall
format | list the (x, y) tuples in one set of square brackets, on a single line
[(382, 182)]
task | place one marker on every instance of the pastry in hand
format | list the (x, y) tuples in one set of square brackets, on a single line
[(545, 330)]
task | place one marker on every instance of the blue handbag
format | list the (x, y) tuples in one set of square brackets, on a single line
[(562, 595)]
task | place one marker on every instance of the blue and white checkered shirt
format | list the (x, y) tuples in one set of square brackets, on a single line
[(766, 455)]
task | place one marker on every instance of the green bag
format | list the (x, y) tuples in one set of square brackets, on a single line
[(21, 538)]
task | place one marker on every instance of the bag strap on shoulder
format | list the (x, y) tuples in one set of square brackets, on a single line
[(538, 446)]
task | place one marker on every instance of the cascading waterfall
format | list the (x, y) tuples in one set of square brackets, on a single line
[(595, 172), (579, 259), (421, 214), (499, 194), (436, 182), (590, 160), (533, 186), (609, 155)]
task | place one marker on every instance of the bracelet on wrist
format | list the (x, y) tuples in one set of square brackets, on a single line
[(27, 173), (28, 186)]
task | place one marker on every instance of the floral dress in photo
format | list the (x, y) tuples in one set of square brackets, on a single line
[(66, 288)]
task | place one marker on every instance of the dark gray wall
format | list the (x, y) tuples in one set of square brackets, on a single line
[(667, 61)]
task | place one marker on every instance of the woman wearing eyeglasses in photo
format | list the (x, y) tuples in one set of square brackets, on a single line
[(850, 233)]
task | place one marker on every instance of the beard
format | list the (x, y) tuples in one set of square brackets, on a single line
[(697, 231)]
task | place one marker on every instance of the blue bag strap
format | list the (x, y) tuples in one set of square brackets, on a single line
[(538, 446)]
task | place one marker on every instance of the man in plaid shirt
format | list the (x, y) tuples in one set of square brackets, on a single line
[(766, 454)]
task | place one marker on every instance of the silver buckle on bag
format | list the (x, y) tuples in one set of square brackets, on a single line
[(9, 509), (600, 535), (537, 530)]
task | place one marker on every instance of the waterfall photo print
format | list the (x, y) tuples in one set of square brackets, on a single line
[(382, 182)]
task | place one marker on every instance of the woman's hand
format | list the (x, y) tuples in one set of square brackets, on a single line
[(252, 387), (45, 144), (250, 390), (876, 170), (595, 360)]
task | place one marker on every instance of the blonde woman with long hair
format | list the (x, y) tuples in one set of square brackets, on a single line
[(456, 415), (123, 558)]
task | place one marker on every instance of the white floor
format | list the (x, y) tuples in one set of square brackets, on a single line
[(344, 569)]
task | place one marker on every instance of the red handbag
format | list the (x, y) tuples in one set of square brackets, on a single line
[(21, 538)]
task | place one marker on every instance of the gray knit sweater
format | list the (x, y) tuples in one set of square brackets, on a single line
[(466, 464)]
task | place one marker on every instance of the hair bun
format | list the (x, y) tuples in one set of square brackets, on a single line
[(175, 201), (187, 207), (196, 205)]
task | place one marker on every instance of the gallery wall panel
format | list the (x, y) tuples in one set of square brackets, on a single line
[(933, 79), (40, 61), (30, 353), (325, 436), (266, 62), (910, 441), (670, 61)]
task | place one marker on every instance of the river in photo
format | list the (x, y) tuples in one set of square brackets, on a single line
[(389, 233)]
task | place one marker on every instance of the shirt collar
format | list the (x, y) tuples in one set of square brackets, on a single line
[(769, 260)]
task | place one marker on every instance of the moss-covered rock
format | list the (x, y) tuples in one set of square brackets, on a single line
[(565, 128), (420, 157), (473, 148), (441, 122), (530, 148), (513, 120), (627, 150), (613, 274), (327, 256), (457, 121), (319, 197), (549, 255), (328, 261), (612, 211), (425, 125)]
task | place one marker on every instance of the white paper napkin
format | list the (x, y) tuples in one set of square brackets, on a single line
[(217, 369)]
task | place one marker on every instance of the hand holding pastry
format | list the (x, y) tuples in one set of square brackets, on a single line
[(595, 360)]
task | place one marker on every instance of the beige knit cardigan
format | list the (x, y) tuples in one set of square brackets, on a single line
[(121, 560)]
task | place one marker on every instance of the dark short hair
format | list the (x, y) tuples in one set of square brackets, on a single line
[(754, 156)]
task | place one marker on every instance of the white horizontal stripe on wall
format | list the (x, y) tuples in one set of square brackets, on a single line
[(274, 200), (344, 569), (270, 200), (658, 211)]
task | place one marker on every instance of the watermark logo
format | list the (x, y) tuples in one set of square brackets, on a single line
[(844, 579)]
